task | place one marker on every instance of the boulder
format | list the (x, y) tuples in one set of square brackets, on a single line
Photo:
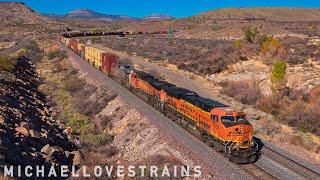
[(34, 134), (2, 120), (22, 130), (76, 158), (57, 148), (27, 125), (47, 157), (47, 149)]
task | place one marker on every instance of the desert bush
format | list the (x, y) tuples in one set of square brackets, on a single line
[(278, 75), (57, 54), (302, 115), (79, 123), (6, 64), (250, 34), (96, 139), (247, 92), (198, 56), (46, 89), (269, 128), (74, 84), (271, 44), (86, 107), (57, 67), (238, 44), (109, 151), (90, 100), (33, 51), (295, 110), (263, 38), (270, 104), (296, 140)]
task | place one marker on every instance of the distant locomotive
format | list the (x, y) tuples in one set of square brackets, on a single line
[(217, 124)]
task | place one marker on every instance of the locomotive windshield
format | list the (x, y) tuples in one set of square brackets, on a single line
[(228, 121), (232, 118)]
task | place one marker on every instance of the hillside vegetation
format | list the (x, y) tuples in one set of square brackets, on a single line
[(270, 14)]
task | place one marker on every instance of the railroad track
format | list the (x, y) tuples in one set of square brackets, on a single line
[(257, 172), (253, 169), (289, 163)]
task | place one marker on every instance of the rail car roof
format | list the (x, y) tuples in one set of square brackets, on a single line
[(205, 104), (145, 76), (161, 84), (178, 92)]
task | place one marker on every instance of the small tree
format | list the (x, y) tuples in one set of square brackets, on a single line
[(250, 34), (6, 64), (278, 76)]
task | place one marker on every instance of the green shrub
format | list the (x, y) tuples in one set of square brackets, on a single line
[(264, 38), (279, 70), (96, 139), (278, 76), (250, 34), (6, 64)]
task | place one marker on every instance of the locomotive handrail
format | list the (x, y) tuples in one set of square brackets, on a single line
[(257, 145)]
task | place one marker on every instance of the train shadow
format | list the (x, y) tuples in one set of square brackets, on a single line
[(259, 145)]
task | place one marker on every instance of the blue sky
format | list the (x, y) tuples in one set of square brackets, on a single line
[(140, 8)]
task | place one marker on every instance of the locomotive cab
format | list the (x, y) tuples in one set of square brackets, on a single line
[(236, 133)]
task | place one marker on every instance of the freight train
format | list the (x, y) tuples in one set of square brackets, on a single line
[(217, 124), (116, 33)]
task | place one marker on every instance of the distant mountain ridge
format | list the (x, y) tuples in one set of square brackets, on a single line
[(90, 14), (158, 17)]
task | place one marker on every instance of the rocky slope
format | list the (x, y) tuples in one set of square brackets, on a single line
[(18, 19), (29, 133), (19, 13)]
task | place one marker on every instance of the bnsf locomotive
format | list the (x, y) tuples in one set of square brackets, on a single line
[(220, 126)]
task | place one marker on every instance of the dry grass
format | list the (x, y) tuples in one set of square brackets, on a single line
[(246, 92)]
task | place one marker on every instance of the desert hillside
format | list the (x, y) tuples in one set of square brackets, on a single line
[(228, 23), (18, 13), (19, 17), (270, 14)]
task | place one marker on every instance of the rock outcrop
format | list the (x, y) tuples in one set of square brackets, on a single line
[(29, 131)]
